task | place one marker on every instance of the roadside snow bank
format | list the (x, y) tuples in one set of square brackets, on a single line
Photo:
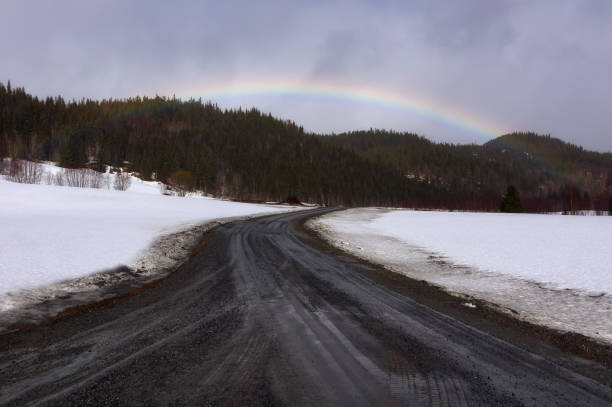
[(55, 237), (549, 269)]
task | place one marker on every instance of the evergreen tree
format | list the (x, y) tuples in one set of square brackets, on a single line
[(247, 155), (511, 202), (73, 154)]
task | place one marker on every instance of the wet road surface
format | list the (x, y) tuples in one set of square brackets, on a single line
[(262, 317)]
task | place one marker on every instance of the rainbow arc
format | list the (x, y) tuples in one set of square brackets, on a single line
[(415, 104)]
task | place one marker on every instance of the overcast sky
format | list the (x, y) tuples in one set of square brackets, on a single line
[(544, 66)]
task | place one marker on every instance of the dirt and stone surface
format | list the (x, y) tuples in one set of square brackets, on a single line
[(262, 314)]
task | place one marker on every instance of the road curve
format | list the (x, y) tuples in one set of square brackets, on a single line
[(261, 317)]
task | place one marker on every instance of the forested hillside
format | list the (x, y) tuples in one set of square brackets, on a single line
[(248, 155), (551, 175), (237, 154)]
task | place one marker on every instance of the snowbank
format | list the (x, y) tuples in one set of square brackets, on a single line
[(550, 269), (52, 233)]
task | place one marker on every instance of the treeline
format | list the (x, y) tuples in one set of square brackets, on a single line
[(252, 156), (233, 153), (550, 174)]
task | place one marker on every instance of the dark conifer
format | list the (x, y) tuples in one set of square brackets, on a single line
[(511, 202), (248, 155)]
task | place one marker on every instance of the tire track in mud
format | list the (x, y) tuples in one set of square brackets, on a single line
[(259, 316)]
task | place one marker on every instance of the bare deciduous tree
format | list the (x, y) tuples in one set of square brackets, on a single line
[(5, 164), (79, 178), (25, 172), (49, 178), (59, 178), (83, 178), (96, 179), (122, 181), (28, 172), (76, 178)]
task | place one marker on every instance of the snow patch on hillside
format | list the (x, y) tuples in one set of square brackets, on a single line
[(549, 269)]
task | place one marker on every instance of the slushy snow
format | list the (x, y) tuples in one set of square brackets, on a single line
[(550, 269), (53, 233)]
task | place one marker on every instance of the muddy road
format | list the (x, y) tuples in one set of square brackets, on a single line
[(261, 316)]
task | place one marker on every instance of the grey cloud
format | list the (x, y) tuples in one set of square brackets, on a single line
[(463, 24), (525, 65), (335, 58)]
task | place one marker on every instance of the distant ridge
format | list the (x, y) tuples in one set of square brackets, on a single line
[(552, 175)]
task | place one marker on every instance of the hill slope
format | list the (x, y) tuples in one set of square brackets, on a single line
[(551, 175), (240, 154), (248, 155)]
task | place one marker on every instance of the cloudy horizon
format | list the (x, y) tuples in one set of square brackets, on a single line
[(539, 66)]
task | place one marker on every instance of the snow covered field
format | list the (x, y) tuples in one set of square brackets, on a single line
[(56, 233), (550, 269)]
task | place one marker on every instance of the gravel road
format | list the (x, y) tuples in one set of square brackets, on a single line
[(261, 316)]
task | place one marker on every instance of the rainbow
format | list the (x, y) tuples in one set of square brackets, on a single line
[(416, 104)]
